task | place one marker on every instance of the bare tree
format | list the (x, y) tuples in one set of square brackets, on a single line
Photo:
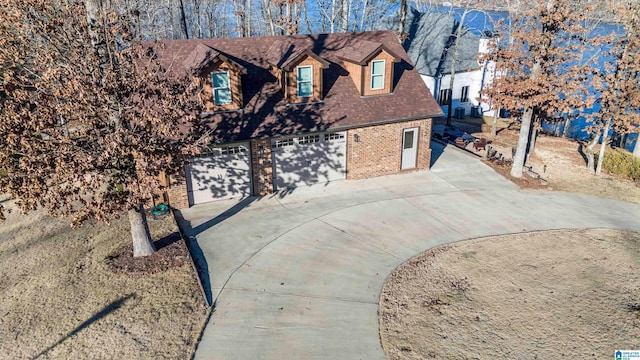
[(455, 38)]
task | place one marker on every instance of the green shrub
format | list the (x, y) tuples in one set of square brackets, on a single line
[(621, 163), (3, 173)]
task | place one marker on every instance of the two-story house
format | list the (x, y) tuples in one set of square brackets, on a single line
[(298, 110)]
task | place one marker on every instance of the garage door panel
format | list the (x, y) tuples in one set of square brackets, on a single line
[(309, 160), (222, 175)]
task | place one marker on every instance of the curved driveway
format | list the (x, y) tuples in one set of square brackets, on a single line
[(297, 276)]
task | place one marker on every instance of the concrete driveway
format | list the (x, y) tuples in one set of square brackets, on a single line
[(298, 275)]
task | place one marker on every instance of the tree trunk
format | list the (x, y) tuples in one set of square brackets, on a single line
[(591, 158), (345, 16), (267, 7), (523, 139), (494, 124), (142, 242), (603, 146), (636, 147), (533, 138), (333, 16), (364, 13), (92, 7), (403, 19), (449, 103), (306, 17), (567, 124), (247, 16), (183, 20), (457, 34)]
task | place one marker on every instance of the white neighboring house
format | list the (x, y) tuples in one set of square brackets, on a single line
[(430, 46)]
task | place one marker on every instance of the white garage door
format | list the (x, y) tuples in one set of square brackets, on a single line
[(223, 174), (309, 159)]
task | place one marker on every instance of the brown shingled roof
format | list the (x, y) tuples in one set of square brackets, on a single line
[(267, 114), (285, 53), (200, 57), (361, 52), (203, 55)]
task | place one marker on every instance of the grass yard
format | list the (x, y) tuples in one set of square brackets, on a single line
[(60, 300), (541, 295)]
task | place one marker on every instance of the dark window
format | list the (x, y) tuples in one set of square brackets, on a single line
[(333, 136), (408, 140), (444, 96), (464, 96)]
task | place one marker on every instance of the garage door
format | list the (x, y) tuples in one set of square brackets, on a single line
[(223, 174), (309, 159)]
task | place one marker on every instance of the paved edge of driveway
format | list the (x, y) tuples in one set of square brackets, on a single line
[(243, 278)]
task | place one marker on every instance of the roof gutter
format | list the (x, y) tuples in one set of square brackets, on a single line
[(383, 122), (362, 125)]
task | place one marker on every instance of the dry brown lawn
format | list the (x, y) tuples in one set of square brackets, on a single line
[(60, 300), (542, 295), (557, 160)]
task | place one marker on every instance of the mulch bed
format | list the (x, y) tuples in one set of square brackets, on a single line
[(171, 252), (525, 182)]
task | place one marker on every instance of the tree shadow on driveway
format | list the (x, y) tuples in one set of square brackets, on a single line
[(191, 232)]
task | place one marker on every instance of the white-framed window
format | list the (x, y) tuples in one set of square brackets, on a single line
[(308, 139), (464, 95), (221, 88), (444, 97), (283, 143), (305, 81), (377, 74)]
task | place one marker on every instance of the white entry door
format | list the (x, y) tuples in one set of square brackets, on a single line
[(223, 174), (409, 148)]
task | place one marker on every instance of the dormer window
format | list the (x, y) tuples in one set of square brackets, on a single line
[(305, 81), (377, 74), (221, 88), (220, 77), (298, 70), (370, 66)]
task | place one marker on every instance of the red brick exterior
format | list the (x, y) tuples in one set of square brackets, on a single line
[(177, 192), (261, 167), (379, 151)]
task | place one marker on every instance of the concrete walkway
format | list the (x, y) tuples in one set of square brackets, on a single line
[(298, 275)]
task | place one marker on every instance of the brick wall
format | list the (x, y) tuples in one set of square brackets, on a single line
[(379, 151), (177, 191), (261, 167)]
